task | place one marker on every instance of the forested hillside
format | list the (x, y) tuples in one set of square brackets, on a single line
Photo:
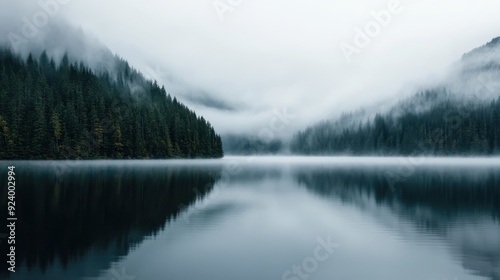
[(460, 116), (64, 110), (448, 127)]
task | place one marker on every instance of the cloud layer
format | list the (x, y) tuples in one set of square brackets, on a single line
[(237, 64)]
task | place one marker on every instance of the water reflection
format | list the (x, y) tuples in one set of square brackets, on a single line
[(246, 219), (448, 191), (74, 219), (460, 205)]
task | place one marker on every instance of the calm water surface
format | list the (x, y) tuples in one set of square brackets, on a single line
[(257, 218)]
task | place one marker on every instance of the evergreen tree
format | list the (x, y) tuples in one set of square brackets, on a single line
[(70, 112), (446, 128)]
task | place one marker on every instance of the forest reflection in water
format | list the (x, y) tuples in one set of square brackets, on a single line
[(78, 219), (71, 212)]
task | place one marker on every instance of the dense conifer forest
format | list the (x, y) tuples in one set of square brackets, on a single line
[(447, 127), (64, 110)]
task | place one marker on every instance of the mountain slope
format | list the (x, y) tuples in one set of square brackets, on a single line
[(461, 116), (67, 110)]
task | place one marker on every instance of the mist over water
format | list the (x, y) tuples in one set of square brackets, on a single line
[(259, 218), (260, 73)]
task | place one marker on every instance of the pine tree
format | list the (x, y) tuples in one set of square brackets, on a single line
[(69, 112)]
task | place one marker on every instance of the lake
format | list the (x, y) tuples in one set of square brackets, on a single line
[(256, 218)]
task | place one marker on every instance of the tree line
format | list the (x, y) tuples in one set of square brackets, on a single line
[(448, 127), (65, 110)]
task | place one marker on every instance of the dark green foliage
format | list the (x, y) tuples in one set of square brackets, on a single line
[(446, 128), (70, 112), (78, 210)]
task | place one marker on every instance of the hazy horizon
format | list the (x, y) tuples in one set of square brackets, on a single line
[(239, 65)]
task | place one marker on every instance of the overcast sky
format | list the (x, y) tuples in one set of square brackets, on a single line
[(238, 64)]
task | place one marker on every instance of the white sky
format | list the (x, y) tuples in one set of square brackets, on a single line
[(270, 54)]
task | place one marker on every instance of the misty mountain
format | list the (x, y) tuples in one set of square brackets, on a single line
[(460, 116), (58, 39), (67, 110)]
